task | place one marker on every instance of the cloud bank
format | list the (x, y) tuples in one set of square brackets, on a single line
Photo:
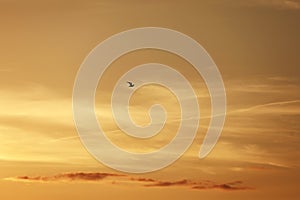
[(125, 179)]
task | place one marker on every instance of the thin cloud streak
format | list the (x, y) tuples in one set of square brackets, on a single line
[(281, 4), (273, 4), (76, 176), (280, 103)]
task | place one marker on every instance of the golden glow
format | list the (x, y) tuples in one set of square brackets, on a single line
[(255, 45)]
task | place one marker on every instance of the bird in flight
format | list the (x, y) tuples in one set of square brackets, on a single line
[(130, 84)]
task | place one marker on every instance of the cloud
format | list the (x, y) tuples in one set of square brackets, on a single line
[(143, 179), (292, 4), (282, 4), (125, 179), (77, 176), (236, 185), (268, 108), (280, 103), (170, 183), (277, 4), (226, 186)]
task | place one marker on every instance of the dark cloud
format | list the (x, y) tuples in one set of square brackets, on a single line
[(201, 185), (77, 176), (169, 183), (143, 179), (237, 185), (145, 182)]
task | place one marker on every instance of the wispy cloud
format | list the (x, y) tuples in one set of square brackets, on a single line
[(277, 4), (280, 103), (282, 4)]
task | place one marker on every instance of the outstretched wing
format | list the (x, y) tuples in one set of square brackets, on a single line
[(130, 84)]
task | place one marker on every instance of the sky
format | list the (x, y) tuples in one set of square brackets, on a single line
[(254, 43)]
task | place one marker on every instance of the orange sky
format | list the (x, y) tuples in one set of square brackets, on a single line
[(255, 44)]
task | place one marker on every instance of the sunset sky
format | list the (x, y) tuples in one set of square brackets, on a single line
[(254, 43)]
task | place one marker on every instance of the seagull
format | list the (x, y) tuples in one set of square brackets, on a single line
[(130, 84)]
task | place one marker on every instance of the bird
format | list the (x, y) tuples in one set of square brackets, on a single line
[(130, 84)]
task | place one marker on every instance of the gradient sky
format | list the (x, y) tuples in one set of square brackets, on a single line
[(255, 44)]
